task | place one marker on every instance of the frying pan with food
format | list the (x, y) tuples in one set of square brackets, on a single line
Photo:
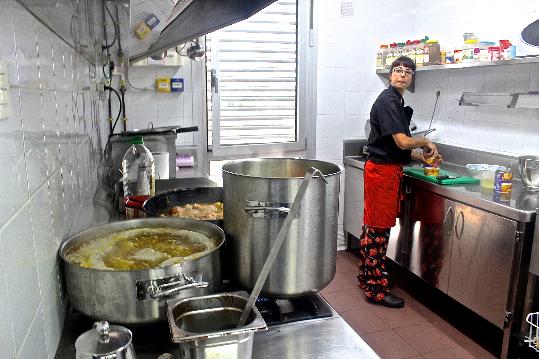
[(162, 202)]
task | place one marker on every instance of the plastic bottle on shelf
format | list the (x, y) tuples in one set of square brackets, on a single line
[(426, 56), (468, 51), (457, 54), (391, 54), (400, 50), (418, 53), (381, 57), (449, 56), (477, 52), (409, 50), (434, 52), (138, 178), (483, 50), (494, 53)]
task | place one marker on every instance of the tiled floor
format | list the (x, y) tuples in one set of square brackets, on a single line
[(411, 332)]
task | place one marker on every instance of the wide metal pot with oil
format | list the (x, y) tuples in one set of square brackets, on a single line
[(134, 290)]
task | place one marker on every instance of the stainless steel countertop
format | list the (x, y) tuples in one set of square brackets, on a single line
[(324, 338), (328, 338), (521, 207)]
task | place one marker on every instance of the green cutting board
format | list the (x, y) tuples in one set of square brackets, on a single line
[(419, 173)]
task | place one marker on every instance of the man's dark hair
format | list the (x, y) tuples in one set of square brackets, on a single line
[(403, 61)]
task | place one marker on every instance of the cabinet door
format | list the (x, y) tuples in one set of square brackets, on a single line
[(353, 200), (429, 245), (481, 259)]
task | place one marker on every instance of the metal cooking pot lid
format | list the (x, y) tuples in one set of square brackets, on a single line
[(156, 130), (103, 339)]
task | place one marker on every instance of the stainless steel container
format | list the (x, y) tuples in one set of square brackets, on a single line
[(529, 172), (205, 326), (139, 296), (257, 197), (105, 341)]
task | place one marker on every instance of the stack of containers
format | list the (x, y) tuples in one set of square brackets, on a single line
[(428, 52)]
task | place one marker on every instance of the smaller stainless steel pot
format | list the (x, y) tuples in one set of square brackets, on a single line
[(105, 341), (206, 327)]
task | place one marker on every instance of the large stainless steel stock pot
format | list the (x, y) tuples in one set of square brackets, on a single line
[(257, 198), (139, 296)]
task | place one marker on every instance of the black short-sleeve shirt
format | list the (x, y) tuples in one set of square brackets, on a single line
[(388, 117)]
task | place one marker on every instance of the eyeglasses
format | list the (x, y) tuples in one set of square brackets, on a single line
[(401, 71)]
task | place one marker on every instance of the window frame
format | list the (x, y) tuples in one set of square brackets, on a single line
[(305, 100)]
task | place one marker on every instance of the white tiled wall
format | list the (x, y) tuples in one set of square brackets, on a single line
[(165, 109), (50, 146), (348, 85), (346, 80)]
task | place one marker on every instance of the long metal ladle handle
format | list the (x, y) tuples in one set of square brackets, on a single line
[(294, 208)]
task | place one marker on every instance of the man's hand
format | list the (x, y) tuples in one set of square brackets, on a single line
[(417, 155), (430, 150)]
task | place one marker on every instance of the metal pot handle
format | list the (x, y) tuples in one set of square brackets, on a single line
[(261, 209), (166, 287)]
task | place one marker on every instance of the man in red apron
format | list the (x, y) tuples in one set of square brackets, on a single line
[(390, 147)]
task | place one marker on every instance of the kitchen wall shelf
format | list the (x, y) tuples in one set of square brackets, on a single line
[(508, 100), (517, 61)]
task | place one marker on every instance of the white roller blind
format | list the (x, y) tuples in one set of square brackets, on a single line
[(255, 64)]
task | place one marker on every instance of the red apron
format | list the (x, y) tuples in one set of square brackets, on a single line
[(382, 194)]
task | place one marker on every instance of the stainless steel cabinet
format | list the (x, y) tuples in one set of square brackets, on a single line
[(431, 220), (461, 250), (481, 261), (353, 202)]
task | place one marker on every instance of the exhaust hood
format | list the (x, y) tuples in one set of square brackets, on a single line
[(184, 20)]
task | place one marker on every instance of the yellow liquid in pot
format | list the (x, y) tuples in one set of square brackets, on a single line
[(142, 248)]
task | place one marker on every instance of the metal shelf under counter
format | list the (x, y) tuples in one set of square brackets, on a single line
[(517, 61)]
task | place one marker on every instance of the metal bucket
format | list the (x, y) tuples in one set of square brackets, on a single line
[(205, 326), (257, 197)]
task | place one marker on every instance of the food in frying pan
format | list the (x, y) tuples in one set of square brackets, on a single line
[(203, 211), (140, 248)]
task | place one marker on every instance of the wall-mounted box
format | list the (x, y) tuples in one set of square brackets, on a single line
[(176, 85), (162, 84)]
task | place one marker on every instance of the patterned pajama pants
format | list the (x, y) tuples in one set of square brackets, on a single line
[(373, 278)]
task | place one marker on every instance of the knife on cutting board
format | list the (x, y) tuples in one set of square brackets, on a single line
[(446, 177)]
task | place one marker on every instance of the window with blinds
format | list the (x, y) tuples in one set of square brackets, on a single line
[(252, 81)]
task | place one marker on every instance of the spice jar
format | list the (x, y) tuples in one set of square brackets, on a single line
[(494, 53), (381, 57), (434, 52), (457, 53), (432, 166), (503, 179)]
